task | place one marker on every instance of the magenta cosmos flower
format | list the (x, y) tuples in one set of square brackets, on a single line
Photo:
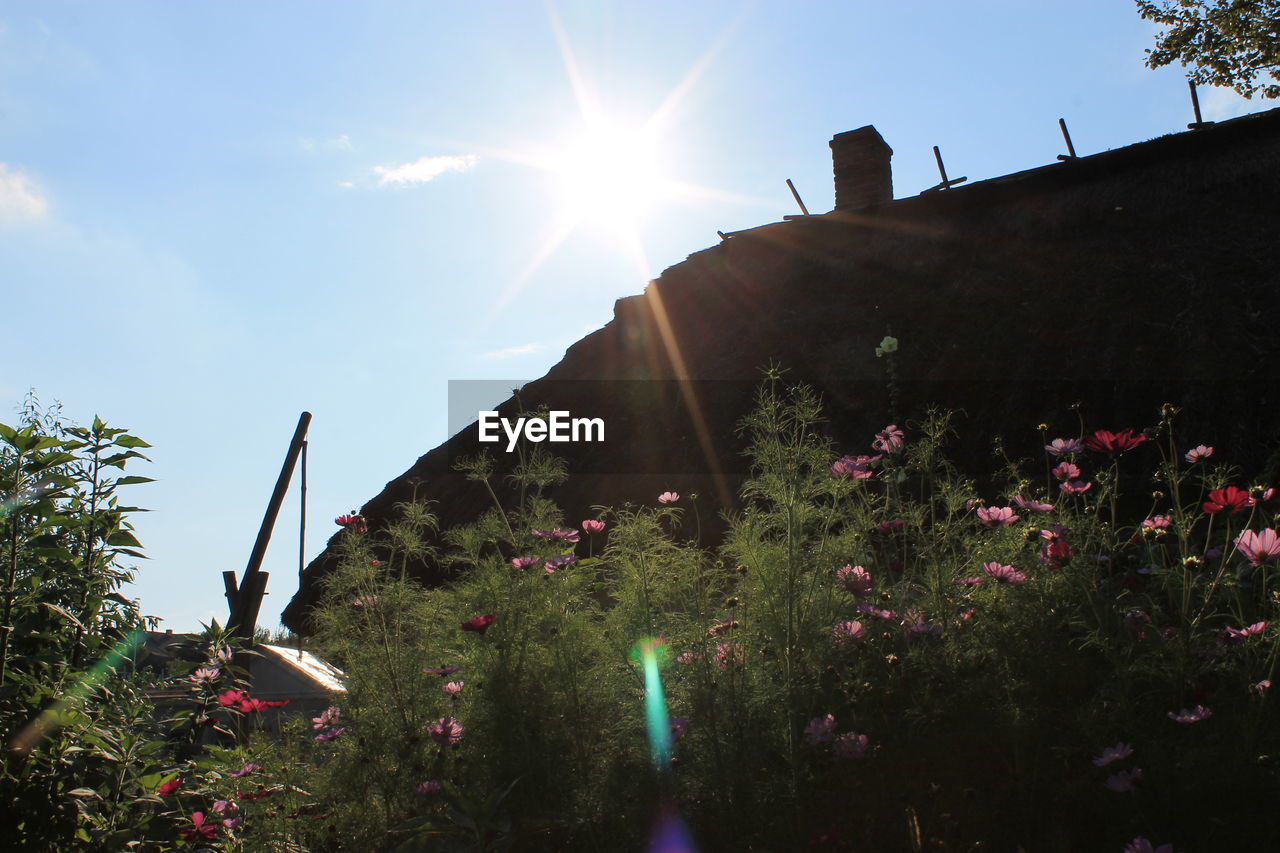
[(888, 439), (244, 771), (1236, 636), (997, 516), (1032, 504), (353, 522), (558, 533), (1105, 441), (559, 563), (328, 717), (1195, 715), (729, 654), (446, 731), (820, 729), (523, 562), (856, 580), (330, 733), (199, 830), (1112, 754), (480, 624), (452, 688), (1066, 471), (1198, 454), (169, 787), (593, 526), (968, 582), (1231, 499), (1158, 522), (428, 789), (1004, 574), (1259, 547), (854, 467), (1075, 487), (443, 670)]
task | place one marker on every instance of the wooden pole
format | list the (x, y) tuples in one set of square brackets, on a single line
[(1071, 149), (244, 613), (796, 195)]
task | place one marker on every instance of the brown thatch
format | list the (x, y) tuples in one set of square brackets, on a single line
[(1121, 280)]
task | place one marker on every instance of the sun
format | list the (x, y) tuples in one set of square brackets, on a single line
[(610, 176)]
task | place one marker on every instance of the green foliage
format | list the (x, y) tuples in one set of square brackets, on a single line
[(1227, 42)]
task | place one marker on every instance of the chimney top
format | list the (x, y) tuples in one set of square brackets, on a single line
[(863, 175)]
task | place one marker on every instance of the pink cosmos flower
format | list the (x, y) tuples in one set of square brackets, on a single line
[(1125, 780), (888, 439), (244, 771), (1066, 471), (206, 675), (729, 654), (1142, 845), (199, 830), (593, 526), (687, 658), (851, 745), (480, 624), (820, 729), (1236, 636), (328, 717), (1230, 498), (1004, 574), (1198, 454), (722, 626), (169, 787), (330, 733), (1259, 547), (1158, 522), (1195, 715), (668, 498), (966, 615), (1105, 441), (856, 580), (446, 731), (452, 688), (365, 602), (854, 467), (428, 789), (523, 562), (847, 631), (1032, 504), (968, 582), (1064, 446), (1113, 753), (997, 516), (887, 527), (1261, 687), (444, 670), (1075, 487)]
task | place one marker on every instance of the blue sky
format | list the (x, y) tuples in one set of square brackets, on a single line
[(214, 216)]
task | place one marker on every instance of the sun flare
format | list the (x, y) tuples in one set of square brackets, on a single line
[(610, 176)]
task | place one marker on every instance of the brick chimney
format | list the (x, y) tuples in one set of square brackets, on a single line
[(863, 174)]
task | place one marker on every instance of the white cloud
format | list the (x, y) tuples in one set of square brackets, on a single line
[(422, 170), (22, 199), (512, 352)]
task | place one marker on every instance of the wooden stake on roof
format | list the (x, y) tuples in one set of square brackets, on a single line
[(1071, 149), (796, 195), (1195, 105), (947, 183)]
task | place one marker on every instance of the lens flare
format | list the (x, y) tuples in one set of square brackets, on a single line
[(669, 833), (51, 718), (650, 653)]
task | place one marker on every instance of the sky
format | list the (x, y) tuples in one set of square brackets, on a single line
[(214, 216)]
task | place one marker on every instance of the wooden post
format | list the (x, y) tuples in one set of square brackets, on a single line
[(796, 195), (1071, 149), (244, 612)]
